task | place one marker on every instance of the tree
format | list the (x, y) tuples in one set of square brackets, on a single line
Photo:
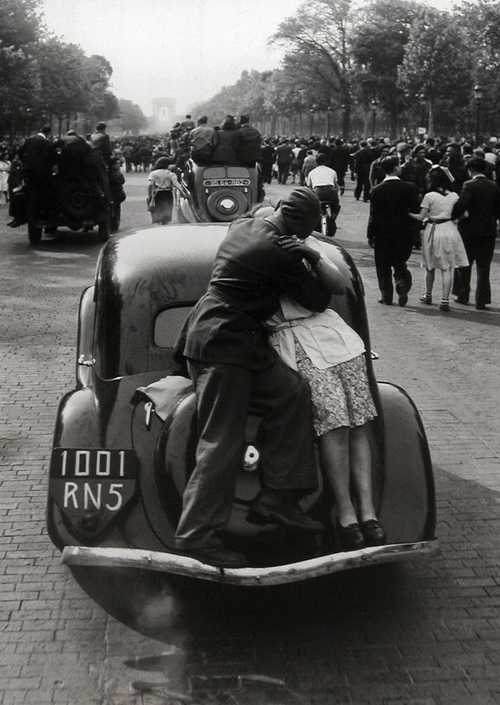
[(246, 96), (482, 19), (320, 32), (131, 117), (19, 86), (379, 43), (101, 102), (62, 92), (436, 65), (20, 23)]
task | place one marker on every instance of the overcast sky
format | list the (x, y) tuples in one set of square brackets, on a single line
[(184, 49)]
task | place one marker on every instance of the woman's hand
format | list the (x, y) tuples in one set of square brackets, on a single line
[(297, 247)]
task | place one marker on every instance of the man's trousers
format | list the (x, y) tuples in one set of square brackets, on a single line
[(385, 264), (480, 251), (224, 395)]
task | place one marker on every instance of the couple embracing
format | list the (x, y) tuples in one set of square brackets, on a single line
[(250, 341)]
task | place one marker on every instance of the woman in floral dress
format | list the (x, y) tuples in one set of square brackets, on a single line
[(331, 356)]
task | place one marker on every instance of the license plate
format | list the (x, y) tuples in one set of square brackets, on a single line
[(93, 481), (226, 182)]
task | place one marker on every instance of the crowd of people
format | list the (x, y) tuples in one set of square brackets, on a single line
[(440, 196)]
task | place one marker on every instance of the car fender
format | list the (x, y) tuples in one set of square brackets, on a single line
[(407, 509)]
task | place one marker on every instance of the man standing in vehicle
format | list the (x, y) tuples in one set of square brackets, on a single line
[(202, 140), (37, 155), (100, 141), (248, 143), (233, 366)]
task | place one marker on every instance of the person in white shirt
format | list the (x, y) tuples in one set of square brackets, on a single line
[(161, 184), (324, 182)]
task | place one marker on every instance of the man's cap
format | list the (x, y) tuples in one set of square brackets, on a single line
[(100, 126), (301, 211)]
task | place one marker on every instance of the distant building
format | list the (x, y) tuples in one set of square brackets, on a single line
[(163, 113)]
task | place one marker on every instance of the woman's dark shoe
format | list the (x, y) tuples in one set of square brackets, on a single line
[(444, 306), (373, 533), (351, 538), (426, 299)]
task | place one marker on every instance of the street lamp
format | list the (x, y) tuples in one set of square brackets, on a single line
[(374, 105), (478, 96)]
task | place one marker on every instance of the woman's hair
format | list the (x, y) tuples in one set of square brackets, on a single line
[(438, 179)]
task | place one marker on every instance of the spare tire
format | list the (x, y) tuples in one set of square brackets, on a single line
[(227, 204), (79, 200)]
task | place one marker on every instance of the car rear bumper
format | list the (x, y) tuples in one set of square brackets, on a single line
[(161, 562)]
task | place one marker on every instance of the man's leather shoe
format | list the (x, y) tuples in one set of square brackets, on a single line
[(350, 537), (461, 300), (481, 307), (13, 224), (385, 301), (273, 508), (373, 533), (215, 554)]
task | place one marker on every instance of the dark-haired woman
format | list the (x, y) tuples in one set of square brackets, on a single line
[(442, 246), (161, 184)]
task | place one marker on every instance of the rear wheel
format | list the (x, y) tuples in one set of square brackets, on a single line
[(34, 234)]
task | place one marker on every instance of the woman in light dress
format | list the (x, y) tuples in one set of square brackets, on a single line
[(161, 185), (331, 356), (442, 246)]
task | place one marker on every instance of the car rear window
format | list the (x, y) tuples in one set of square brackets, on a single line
[(168, 324)]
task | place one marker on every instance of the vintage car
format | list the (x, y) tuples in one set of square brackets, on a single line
[(216, 192), (125, 437), (80, 199)]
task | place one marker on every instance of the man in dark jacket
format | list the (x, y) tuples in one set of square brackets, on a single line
[(38, 155), (480, 199), (100, 141), (248, 143), (232, 365), (267, 161), (284, 158), (362, 161), (391, 231)]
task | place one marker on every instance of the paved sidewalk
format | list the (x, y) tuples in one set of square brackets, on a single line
[(422, 633)]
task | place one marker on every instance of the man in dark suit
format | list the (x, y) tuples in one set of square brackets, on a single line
[(266, 161), (480, 200), (363, 159), (233, 366), (37, 155), (391, 230)]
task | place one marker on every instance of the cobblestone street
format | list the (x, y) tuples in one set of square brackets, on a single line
[(418, 633)]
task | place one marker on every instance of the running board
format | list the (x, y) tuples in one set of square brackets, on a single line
[(163, 562)]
